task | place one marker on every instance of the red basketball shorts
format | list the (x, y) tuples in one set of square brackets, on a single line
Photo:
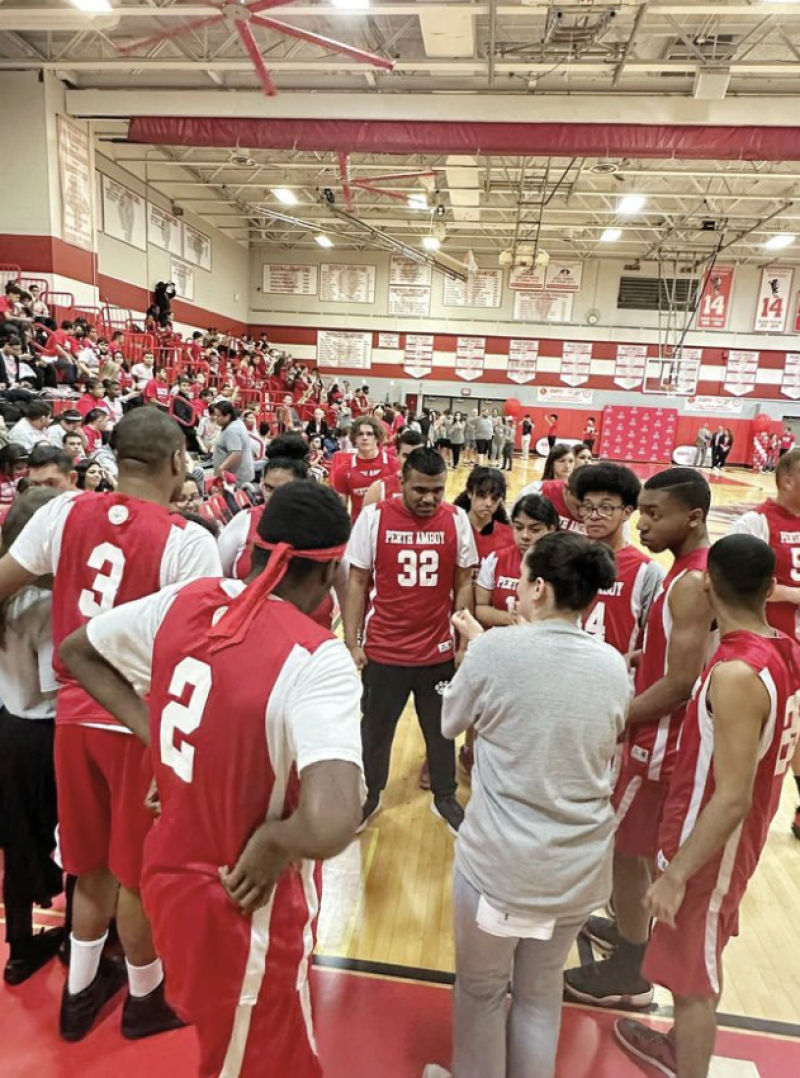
[(639, 804), (103, 777)]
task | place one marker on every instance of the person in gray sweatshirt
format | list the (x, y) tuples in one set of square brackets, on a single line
[(534, 854), (484, 429)]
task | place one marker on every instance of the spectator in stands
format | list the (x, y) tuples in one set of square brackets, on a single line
[(11, 321), (232, 452), (110, 365), (156, 392), (288, 417), (62, 347), (73, 445), (10, 358), (92, 477), (39, 308), (95, 393), (190, 498), (142, 373), (182, 410), (257, 444), (50, 467), (94, 427), (13, 467), (113, 403), (318, 426), (68, 422), (360, 403), (32, 428)]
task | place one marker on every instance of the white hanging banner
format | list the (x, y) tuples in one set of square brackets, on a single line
[(526, 278), (75, 172), (481, 289), (339, 348), (630, 365), (388, 340), (418, 357), (790, 380), (182, 276), (741, 372), (408, 272), (576, 362), (773, 299), (164, 230), (564, 276), (545, 306), (522, 357), (470, 357), (409, 300)]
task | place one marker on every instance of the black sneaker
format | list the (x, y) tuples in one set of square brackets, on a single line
[(78, 1012), (796, 823), (648, 1045), (32, 955), (603, 933), (371, 808), (449, 810), (144, 1016), (608, 984)]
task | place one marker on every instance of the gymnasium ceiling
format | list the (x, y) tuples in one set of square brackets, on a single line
[(579, 54)]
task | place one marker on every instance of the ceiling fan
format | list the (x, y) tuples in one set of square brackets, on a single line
[(242, 17)]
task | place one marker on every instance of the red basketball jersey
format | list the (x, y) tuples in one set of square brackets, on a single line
[(323, 615), (352, 476), (616, 613), (392, 487), (553, 490), (654, 743), (413, 562), (506, 569), (783, 535), (776, 660), (498, 538)]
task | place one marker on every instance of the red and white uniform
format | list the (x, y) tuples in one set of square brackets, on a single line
[(498, 538), (787, 441), (391, 487), (553, 490), (648, 755), (242, 981), (780, 529), (352, 475), (618, 615), (104, 550), (413, 561), (499, 573), (94, 439), (158, 391), (235, 544), (359, 405), (687, 959)]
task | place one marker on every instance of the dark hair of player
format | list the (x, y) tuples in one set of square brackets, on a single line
[(146, 438), (606, 478), (741, 568), (308, 517), (425, 461), (575, 567), (43, 455), (537, 507), (367, 421), (786, 464), (409, 437), (289, 453), (556, 453), (483, 481), (685, 485)]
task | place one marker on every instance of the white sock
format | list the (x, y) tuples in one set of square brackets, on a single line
[(142, 980), (84, 962)]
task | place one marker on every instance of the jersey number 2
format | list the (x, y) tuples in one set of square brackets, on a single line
[(184, 718), (419, 568), (791, 729), (103, 592)]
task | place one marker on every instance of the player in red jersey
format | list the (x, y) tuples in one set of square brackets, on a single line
[(104, 550), (738, 738), (391, 486), (498, 577), (354, 473), (673, 507), (607, 496), (482, 500), (777, 522), (561, 492), (419, 554), (234, 898)]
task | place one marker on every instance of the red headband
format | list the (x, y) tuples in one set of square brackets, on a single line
[(233, 626)]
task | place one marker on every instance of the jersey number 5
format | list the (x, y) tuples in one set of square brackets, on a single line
[(420, 567), (184, 718), (103, 592)]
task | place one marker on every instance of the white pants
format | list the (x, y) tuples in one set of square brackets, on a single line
[(526, 445)]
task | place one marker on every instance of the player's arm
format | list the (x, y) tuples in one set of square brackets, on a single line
[(486, 614), (740, 705), (459, 708), (231, 541), (752, 523), (230, 463), (373, 495), (13, 576), (691, 622), (33, 553), (353, 614)]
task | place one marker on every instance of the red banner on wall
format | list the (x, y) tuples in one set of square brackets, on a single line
[(715, 301), (639, 434)]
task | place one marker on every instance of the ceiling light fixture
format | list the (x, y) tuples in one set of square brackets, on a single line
[(323, 240), (611, 235), (351, 5), (431, 243), (631, 203), (284, 195), (417, 202), (779, 241), (92, 7)]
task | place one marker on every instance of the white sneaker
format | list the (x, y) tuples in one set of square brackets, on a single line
[(433, 1070)]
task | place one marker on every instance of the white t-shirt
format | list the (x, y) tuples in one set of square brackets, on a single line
[(27, 681), (142, 374), (23, 433), (232, 540), (319, 692)]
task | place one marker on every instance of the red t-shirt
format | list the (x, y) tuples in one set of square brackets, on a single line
[(94, 439), (157, 390), (352, 476), (787, 440)]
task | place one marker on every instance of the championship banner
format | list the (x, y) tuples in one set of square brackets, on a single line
[(715, 301), (522, 357), (470, 357), (418, 356), (790, 380), (576, 362), (75, 173), (741, 372), (773, 299), (630, 365)]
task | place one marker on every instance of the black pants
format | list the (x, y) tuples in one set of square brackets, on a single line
[(456, 448), (722, 457), (551, 440), (28, 820), (508, 450), (386, 692)]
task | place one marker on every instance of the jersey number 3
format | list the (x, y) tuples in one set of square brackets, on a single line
[(420, 567), (109, 560), (184, 718)]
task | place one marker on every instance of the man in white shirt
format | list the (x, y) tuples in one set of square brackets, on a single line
[(68, 422), (142, 373), (32, 428)]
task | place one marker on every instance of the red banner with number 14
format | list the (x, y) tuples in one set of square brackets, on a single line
[(715, 302)]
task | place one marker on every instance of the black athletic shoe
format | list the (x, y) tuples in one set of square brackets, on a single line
[(78, 1012), (603, 933), (371, 808), (796, 823), (147, 1015), (449, 810), (647, 1045), (608, 984), (32, 955)]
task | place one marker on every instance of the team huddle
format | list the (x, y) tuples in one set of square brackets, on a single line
[(215, 740)]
